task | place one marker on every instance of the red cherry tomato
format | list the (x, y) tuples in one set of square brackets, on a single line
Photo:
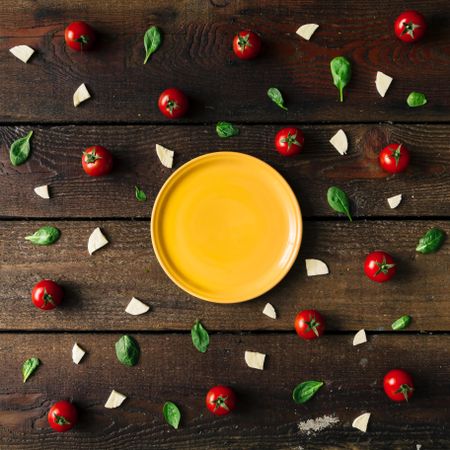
[(79, 36), (379, 266), (97, 161), (289, 141), (173, 103), (246, 45), (410, 26), (398, 385), (62, 416), (221, 400), (394, 158), (47, 294), (309, 324)]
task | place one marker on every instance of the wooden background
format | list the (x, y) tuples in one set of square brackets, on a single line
[(123, 116)]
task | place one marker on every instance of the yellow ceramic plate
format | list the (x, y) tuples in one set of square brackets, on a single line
[(226, 227)]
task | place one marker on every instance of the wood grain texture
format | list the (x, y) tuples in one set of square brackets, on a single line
[(267, 418), (56, 160), (99, 287), (196, 56)]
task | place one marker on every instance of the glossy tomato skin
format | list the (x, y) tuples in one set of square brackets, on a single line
[(289, 141), (97, 161), (47, 294), (410, 26), (221, 400), (394, 158), (379, 266), (309, 324), (62, 416), (79, 36), (398, 385), (173, 103), (246, 45)]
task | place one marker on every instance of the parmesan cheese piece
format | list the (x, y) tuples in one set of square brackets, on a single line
[(77, 353), (115, 399), (22, 52), (136, 307), (316, 267), (96, 241), (269, 311), (42, 191), (361, 422), (255, 360), (360, 337), (394, 201), (165, 156), (382, 82), (340, 142), (80, 95), (307, 30)]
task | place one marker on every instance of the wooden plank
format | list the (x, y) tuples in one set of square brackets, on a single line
[(56, 160), (171, 369), (99, 287), (196, 56)]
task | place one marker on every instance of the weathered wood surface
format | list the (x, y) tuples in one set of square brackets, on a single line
[(99, 287), (171, 369), (196, 56), (56, 160)]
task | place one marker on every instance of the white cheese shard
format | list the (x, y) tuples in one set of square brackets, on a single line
[(96, 241), (307, 30), (382, 82), (77, 353), (340, 142), (316, 267), (361, 422), (165, 156), (42, 191), (255, 360), (80, 95), (269, 311), (22, 52), (136, 307), (115, 399), (360, 337), (394, 201)]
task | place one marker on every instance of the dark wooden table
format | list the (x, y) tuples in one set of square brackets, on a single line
[(123, 116)]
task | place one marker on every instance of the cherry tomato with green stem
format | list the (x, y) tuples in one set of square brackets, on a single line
[(410, 26), (398, 385), (62, 416), (173, 103), (289, 141), (79, 36), (246, 45), (221, 400), (394, 158), (379, 266), (97, 161), (309, 324), (47, 294)]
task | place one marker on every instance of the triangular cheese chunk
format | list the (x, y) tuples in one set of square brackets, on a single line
[(22, 52), (42, 191), (340, 142), (360, 337), (361, 422), (307, 30), (115, 399), (394, 201), (269, 311), (382, 82), (80, 95), (316, 267), (77, 353), (96, 241), (255, 360), (136, 307), (165, 156)]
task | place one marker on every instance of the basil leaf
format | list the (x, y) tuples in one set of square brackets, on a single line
[(20, 150), (431, 241), (200, 337), (44, 236), (338, 200), (226, 130), (141, 196), (28, 368), (401, 323), (304, 391), (275, 95), (341, 72), (416, 99), (172, 414), (127, 351), (152, 41)]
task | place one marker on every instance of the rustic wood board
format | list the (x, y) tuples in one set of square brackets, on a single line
[(196, 56)]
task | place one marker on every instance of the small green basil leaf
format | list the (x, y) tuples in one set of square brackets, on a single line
[(275, 95), (200, 337), (226, 130), (341, 72), (20, 150), (416, 99), (172, 414), (28, 368), (304, 391), (44, 236), (152, 41), (338, 200), (401, 323), (431, 241), (141, 196), (127, 351)]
